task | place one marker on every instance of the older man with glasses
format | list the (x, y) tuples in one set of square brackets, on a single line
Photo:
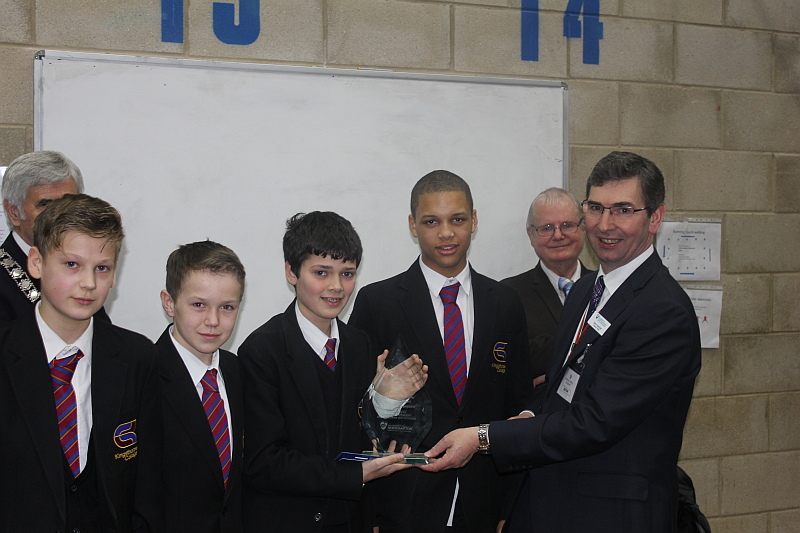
[(557, 235)]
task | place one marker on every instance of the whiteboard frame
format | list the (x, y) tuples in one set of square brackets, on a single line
[(40, 116)]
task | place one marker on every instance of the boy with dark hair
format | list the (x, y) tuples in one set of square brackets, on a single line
[(201, 387), (471, 331), (79, 402), (305, 373)]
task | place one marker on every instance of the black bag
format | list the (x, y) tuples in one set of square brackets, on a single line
[(690, 518)]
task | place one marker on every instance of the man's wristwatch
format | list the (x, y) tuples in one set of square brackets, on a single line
[(483, 438)]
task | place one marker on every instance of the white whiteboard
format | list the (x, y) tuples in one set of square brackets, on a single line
[(189, 150)]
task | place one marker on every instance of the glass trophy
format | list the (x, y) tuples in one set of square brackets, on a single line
[(395, 417)]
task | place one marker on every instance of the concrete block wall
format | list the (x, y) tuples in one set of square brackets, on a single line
[(710, 90)]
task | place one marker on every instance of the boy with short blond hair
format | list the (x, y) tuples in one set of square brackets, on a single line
[(79, 402), (201, 388)]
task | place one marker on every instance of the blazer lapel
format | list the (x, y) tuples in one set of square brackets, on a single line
[(615, 305), (542, 285), (485, 308), (108, 383), (418, 310), (30, 378), (233, 384), (304, 375), (180, 395)]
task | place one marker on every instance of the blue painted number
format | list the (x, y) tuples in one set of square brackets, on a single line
[(246, 32), (172, 21), (530, 30), (224, 20), (592, 29)]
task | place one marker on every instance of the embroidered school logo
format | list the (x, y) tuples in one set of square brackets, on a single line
[(500, 352), (125, 434)]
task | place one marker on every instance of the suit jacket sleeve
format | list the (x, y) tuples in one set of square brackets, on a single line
[(274, 459), (629, 371)]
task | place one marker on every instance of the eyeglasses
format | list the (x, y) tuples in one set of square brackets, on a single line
[(595, 210), (548, 230)]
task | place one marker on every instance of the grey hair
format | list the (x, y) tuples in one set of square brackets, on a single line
[(553, 196), (33, 170)]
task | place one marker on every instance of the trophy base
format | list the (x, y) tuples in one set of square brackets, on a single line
[(410, 458)]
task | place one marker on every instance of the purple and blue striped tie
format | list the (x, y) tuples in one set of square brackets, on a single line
[(217, 420), (454, 344), (61, 372), (330, 354), (597, 294)]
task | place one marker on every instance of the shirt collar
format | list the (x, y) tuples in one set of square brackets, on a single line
[(56, 347), (197, 369), (617, 277), (436, 281), (553, 277), (314, 336), (24, 246)]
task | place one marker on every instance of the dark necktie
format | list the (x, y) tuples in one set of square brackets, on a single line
[(330, 354), (454, 344), (217, 420), (597, 293), (61, 372)]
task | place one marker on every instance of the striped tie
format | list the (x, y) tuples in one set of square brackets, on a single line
[(61, 372), (330, 354), (217, 420), (597, 293), (454, 346), (565, 284)]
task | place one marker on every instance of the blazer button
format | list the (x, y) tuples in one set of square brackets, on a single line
[(459, 420), (73, 488), (317, 517)]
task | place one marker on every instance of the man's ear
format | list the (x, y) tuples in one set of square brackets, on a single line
[(12, 213), (656, 219), (35, 261), (168, 303), (290, 277), (412, 226)]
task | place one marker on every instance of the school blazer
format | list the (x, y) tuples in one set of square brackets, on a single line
[(126, 431), (197, 501), (499, 385), (290, 481), (607, 460)]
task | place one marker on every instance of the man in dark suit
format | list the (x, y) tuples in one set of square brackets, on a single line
[(495, 364), (79, 402), (602, 455), (31, 181), (203, 428), (556, 234)]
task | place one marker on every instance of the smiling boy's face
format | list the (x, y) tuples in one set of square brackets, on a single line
[(204, 312), (323, 287), (444, 224), (76, 279)]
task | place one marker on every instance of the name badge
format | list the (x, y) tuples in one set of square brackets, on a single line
[(598, 323), (568, 384)]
